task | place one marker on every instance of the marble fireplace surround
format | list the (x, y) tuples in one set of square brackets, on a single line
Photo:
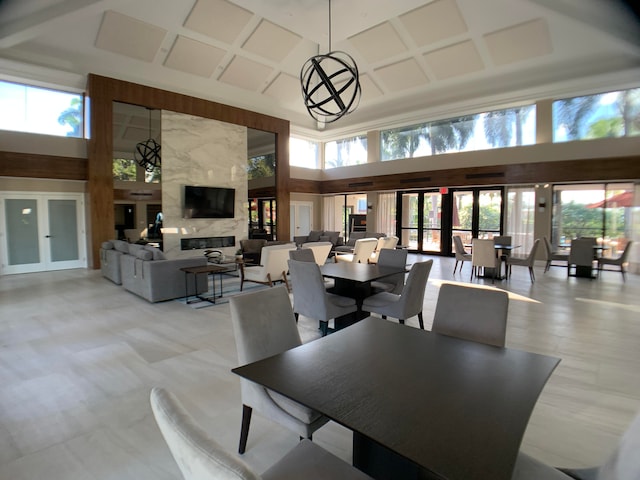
[(202, 152)]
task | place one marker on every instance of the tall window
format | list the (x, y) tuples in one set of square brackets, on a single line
[(614, 114), (345, 152), (40, 110), (497, 129), (303, 153), (386, 213)]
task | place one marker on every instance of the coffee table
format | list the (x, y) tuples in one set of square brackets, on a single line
[(420, 404)]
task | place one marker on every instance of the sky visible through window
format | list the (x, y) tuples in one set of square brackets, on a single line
[(36, 110)]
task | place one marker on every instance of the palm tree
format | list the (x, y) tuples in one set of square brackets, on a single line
[(571, 112), (451, 134), (403, 142), (73, 117), (499, 125)]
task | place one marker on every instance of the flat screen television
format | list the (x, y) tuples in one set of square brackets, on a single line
[(208, 202)]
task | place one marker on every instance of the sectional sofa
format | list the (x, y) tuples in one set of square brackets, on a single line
[(146, 272)]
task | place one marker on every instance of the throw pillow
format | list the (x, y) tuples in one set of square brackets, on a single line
[(157, 253), (121, 246), (134, 248), (143, 254), (107, 245), (314, 236)]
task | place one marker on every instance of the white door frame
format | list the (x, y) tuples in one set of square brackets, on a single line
[(294, 208)]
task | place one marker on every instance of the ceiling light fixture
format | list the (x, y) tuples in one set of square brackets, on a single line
[(330, 84), (147, 153)]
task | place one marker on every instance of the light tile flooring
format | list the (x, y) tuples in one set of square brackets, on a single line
[(78, 356)]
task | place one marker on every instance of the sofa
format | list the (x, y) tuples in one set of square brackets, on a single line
[(353, 236), (319, 236), (146, 272)]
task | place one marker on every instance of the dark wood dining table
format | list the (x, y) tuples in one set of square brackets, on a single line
[(420, 405)]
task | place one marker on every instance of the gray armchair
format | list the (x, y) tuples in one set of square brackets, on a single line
[(200, 457), (476, 314), (311, 299), (264, 325), (409, 303)]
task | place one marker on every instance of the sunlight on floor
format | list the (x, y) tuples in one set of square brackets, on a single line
[(631, 308), (512, 296)]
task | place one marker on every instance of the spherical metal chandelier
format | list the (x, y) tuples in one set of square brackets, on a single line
[(330, 84), (147, 153)]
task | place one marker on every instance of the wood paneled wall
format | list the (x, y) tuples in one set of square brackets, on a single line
[(14, 164), (103, 91)]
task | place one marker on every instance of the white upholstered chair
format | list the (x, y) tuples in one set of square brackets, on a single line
[(200, 457), (321, 250), (311, 299), (272, 268), (460, 253), (471, 313), (410, 301), (389, 242), (362, 251), (483, 255), (264, 325)]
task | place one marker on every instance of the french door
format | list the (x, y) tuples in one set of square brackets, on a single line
[(42, 231), (420, 221)]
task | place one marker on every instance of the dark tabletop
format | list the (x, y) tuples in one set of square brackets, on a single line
[(358, 272), (458, 408)]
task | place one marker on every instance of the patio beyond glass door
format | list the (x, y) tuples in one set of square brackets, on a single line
[(420, 223), (42, 232)]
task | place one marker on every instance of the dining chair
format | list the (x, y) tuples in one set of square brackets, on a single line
[(362, 251), (264, 325), (311, 299), (388, 242), (471, 313), (621, 464), (321, 250), (460, 253), (621, 261), (392, 283), (528, 261), (409, 302), (582, 255), (551, 255), (272, 268), (200, 457), (483, 255), (302, 255)]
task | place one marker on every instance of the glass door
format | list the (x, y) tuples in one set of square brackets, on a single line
[(420, 221), (42, 232), (476, 213)]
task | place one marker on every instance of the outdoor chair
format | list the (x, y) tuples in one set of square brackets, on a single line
[(264, 325)]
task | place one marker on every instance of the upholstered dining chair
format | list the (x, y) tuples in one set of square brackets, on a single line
[(362, 251), (581, 254), (460, 253), (409, 302), (264, 325), (553, 255), (302, 255), (483, 255), (311, 299), (472, 313), (272, 268), (200, 457), (622, 464), (621, 261), (388, 242), (393, 283), (528, 261)]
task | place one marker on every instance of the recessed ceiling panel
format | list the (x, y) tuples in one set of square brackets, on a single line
[(434, 22), (285, 88), (402, 75), (194, 57), (271, 41), (378, 43), (129, 36), (245, 73), (369, 89), (459, 59), (521, 42), (218, 19)]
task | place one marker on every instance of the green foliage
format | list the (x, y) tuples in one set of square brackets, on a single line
[(124, 169), (609, 127), (73, 116), (261, 166)]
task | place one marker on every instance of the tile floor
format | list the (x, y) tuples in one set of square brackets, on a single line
[(78, 356)]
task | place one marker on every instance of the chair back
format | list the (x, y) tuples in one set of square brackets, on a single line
[(263, 323), (625, 252), (502, 240), (302, 255), (309, 294), (547, 247), (531, 258), (386, 242), (459, 248), (320, 250), (483, 253), (582, 252), (363, 249), (393, 258), (476, 314), (412, 296), (274, 259), (198, 456)]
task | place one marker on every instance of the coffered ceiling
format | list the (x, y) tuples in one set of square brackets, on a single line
[(418, 59)]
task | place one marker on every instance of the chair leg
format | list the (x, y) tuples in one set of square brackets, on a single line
[(547, 266), (296, 315), (401, 321), (244, 431), (284, 277), (421, 320), (324, 327), (532, 275), (384, 317), (456, 266)]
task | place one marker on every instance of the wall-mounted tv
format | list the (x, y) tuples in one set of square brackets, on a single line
[(208, 202)]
